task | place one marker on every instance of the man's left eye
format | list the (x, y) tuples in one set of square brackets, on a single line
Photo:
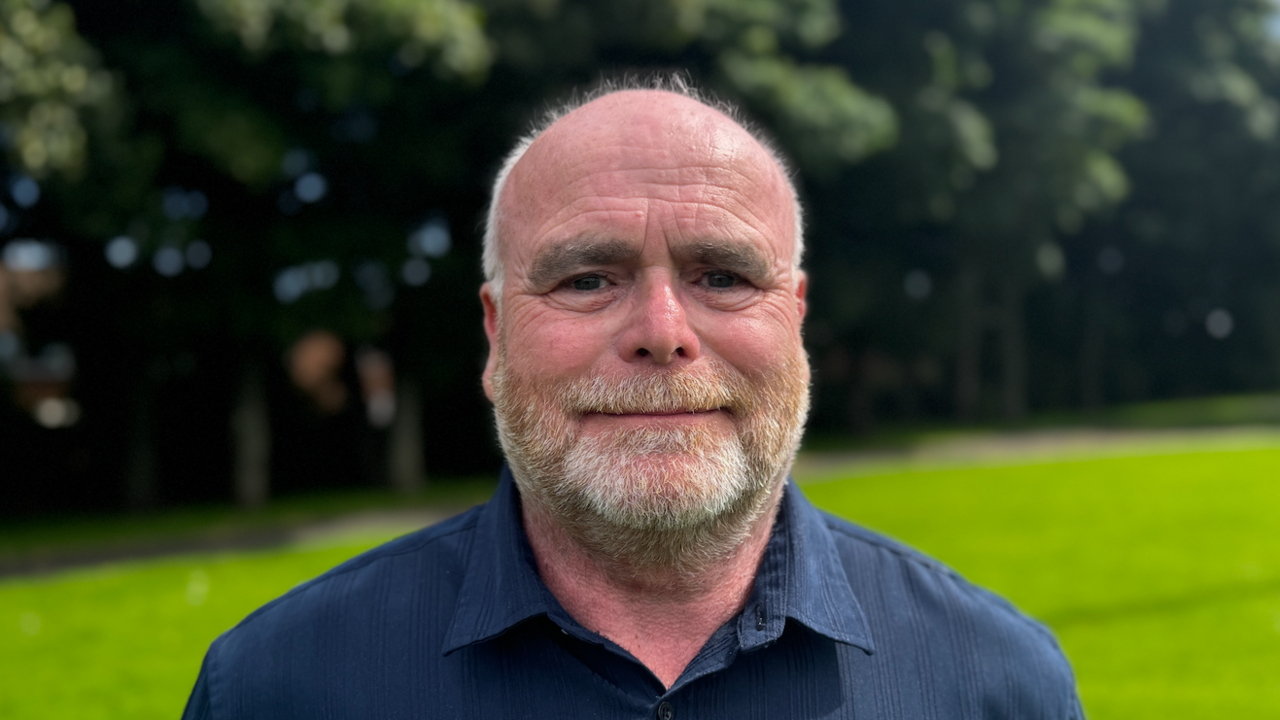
[(589, 282), (721, 280)]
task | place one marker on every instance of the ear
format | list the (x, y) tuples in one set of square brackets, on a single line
[(802, 287), (490, 304)]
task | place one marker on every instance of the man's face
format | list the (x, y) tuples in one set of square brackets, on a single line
[(646, 363)]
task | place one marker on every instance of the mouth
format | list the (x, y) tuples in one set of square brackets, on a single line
[(679, 412), (663, 417)]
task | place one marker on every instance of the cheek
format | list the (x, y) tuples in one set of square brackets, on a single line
[(762, 340), (540, 345)]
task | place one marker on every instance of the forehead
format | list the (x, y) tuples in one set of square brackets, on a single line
[(635, 158)]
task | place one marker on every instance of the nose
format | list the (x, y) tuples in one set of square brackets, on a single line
[(657, 328)]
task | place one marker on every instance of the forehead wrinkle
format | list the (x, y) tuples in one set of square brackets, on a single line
[(683, 227), (730, 174)]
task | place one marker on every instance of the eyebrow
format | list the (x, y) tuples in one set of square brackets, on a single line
[(557, 261), (553, 263), (740, 258)]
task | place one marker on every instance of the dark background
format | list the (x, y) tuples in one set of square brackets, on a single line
[(1015, 208)]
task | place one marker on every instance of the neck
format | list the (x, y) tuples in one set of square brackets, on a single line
[(661, 615)]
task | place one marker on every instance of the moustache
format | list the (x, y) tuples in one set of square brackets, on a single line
[(679, 391)]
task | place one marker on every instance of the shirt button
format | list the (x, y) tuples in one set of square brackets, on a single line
[(665, 711)]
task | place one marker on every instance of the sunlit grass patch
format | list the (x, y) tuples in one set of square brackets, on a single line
[(126, 640)]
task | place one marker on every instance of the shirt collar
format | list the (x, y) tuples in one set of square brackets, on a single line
[(801, 578), (501, 587)]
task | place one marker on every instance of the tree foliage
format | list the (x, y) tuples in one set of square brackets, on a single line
[(283, 166), (49, 80)]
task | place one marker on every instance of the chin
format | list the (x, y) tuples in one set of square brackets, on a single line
[(664, 480)]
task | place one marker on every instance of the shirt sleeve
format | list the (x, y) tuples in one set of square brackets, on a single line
[(198, 704)]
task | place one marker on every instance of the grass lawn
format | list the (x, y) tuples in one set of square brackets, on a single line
[(125, 640), (1160, 574)]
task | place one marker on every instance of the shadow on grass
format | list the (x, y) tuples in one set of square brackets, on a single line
[(1245, 590), (1187, 413), (48, 544)]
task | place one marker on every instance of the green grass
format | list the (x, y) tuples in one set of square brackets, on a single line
[(126, 640), (1160, 574)]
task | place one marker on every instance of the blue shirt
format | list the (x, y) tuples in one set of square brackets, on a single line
[(454, 622)]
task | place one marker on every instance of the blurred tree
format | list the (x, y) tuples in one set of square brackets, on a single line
[(284, 167), (1050, 179), (1198, 234), (1009, 128), (49, 78)]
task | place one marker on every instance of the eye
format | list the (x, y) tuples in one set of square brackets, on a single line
[(720, 280), (588, 282)]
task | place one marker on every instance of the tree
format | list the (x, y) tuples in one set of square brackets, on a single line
[(1009, 126), (283, 167), (1197, 235)]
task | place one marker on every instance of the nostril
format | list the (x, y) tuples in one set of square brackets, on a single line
[(680, 351), (642, 352)]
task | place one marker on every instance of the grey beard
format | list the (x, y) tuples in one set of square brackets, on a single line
[(644, 500)]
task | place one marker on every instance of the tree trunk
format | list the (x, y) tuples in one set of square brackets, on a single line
[(969, 345), (140, 482), (1013, 349), (251, 434), (404, 450), (1092, 351)]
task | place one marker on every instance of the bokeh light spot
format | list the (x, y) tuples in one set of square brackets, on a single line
[(1219, 324), (55, 413), (1050, 260), (323, 275), (415, 272), (29, 255), (10, 345), (294, 282), (432, 239), (290, 284), (918, 285), (122, 252), (174, 203), (199, 254), (311, 187), (168, 261), (25, 191)]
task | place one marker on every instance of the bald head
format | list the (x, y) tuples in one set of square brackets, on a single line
[(641, 143)]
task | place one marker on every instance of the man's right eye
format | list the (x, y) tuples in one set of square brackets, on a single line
[(590, 282)]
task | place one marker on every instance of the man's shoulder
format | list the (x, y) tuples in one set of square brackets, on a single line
[(317, 643), (902, 588), (379, 577)]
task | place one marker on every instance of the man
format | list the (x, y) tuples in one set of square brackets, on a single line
[(644, 555)]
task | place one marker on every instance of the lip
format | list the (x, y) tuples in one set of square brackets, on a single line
[(663, 413), (662, 417)]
